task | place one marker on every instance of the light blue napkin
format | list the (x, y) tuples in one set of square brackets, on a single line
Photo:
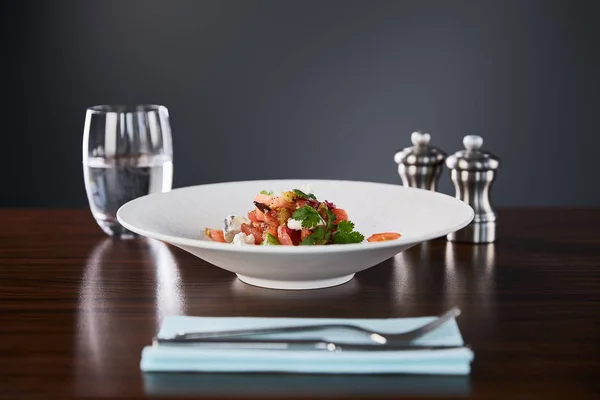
[(445, 362)]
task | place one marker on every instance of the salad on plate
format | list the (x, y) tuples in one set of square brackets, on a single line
[(293, 218)]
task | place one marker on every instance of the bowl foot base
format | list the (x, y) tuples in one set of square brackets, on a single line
[(295, 285)]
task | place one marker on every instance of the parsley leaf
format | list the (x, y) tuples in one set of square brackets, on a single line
[(318, 236), (346, 234), (308, 241), (268, 193), (303, 195), (308, 215), (346, 226), (330, 219), (270, 240), (321, 234)]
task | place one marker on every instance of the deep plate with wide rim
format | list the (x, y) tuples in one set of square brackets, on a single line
[(179, 217)]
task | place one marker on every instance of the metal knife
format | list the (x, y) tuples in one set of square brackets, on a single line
[(262, 344)]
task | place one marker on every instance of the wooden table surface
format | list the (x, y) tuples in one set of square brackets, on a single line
[(77, 308)]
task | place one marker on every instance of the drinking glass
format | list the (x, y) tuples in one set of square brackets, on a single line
[(127, 153)]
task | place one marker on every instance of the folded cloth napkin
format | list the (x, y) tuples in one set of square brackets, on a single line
[(188, 358)]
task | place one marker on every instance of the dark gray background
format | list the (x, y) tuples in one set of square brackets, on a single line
[(318, 89)]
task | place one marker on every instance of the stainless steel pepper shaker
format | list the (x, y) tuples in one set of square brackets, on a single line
[(420, 165), (473, 172)]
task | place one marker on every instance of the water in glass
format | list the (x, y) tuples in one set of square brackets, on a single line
[(126, 154)]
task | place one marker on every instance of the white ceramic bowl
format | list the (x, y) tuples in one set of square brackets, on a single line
[(179, 217)]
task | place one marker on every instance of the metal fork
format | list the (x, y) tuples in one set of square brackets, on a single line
[(377, 337)]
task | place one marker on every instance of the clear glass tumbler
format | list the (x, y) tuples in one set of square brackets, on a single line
[(127, 153)]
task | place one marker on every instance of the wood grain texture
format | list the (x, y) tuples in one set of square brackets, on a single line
[(77, 308)]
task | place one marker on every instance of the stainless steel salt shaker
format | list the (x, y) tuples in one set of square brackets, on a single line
[(473, 172), (420, 165)]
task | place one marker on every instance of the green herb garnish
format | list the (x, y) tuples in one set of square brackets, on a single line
[(342, 233), (303, 195), (270, 240), (330, 220), (346, 234), (308, 215), (268, 193)]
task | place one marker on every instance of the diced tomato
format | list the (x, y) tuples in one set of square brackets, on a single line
[(215, 235), (340, 215), (287, 236), (256, 231), (384, 236), (305, 233), (271, 218), (247, 229), (252, 215)]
